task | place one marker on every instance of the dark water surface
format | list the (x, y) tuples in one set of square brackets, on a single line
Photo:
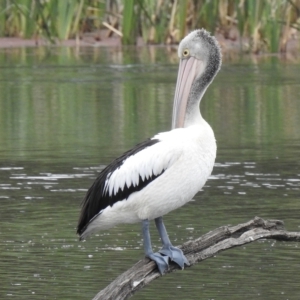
[(65, 113)]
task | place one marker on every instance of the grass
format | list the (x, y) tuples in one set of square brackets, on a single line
[(267, 24), (129, 17)]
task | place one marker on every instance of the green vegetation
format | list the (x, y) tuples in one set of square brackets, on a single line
[(52, 19), (264, 25)]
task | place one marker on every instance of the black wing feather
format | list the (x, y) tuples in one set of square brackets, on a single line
[(96, 199)]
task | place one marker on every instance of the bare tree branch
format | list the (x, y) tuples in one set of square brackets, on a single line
[(208, 245)]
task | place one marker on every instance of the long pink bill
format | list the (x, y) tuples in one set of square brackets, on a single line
[(188, 71)]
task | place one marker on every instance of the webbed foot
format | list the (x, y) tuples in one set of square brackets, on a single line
[(161, 261), (175, 254)]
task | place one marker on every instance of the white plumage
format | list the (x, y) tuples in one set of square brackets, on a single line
[(189, 152), (165, 172)]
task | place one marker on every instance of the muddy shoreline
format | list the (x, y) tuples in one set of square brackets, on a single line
[(228, 45)]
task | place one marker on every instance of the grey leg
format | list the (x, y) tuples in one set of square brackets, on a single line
[(162, 261), (168, 249)]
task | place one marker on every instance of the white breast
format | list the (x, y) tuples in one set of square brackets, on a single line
[(192, 151)]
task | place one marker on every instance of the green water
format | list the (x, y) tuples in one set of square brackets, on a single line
[(65, 113)]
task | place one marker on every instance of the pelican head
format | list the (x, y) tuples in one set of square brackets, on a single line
[(200, 60)]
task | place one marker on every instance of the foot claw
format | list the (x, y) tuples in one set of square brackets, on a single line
[(162, 261), (176, 255)]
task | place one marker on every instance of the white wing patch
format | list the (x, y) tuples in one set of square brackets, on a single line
[(150, 161)]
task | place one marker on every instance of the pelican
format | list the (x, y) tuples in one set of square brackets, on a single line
[(166, 171)]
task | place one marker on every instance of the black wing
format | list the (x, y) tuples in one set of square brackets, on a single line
[(98, 198)]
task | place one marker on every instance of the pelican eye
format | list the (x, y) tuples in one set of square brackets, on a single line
[(186, 52)]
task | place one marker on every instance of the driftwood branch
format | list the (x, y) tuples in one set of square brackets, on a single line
[(208, 245)]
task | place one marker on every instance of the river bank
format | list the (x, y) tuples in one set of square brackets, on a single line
[(231, 44)]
